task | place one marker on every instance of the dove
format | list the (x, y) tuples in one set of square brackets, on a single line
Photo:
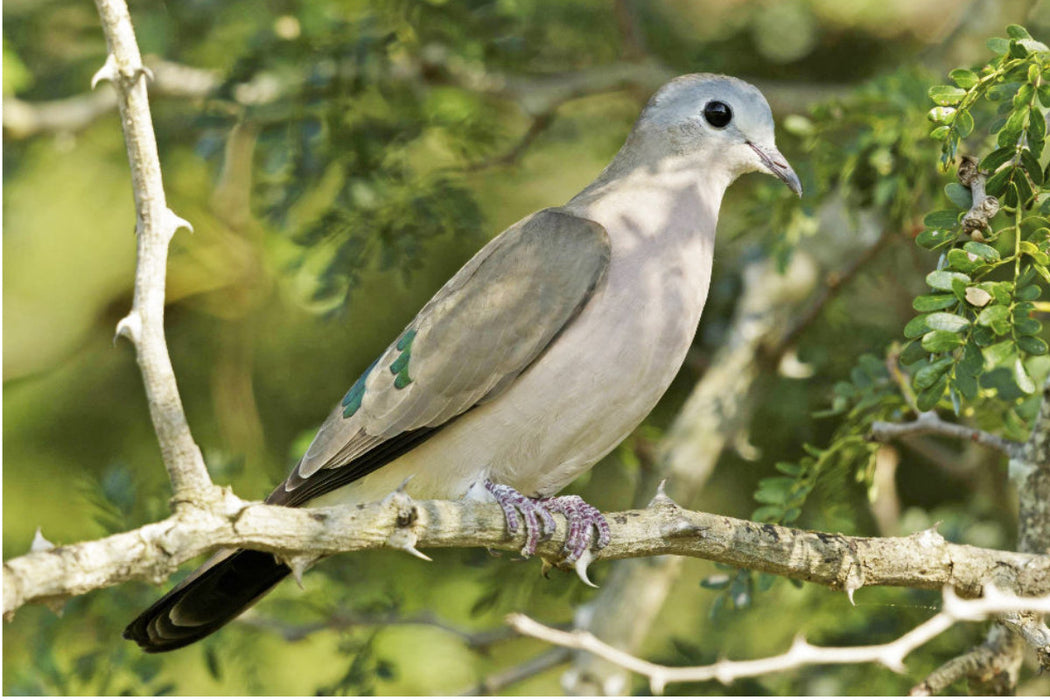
[(535, 360)]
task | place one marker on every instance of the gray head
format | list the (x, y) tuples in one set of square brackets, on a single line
[(717, 119)]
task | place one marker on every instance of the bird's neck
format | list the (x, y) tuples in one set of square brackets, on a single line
[(675, 200)]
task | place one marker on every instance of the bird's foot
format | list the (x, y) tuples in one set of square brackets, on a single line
[(581, 516), (540, 525)]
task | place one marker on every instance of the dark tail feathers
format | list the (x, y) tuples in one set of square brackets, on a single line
[(214, 594)]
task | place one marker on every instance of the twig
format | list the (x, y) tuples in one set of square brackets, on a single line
[(891, 655), (930, 423), (23, 119), (834, 283), (496, 682), (983, 207), (341, 620), (539, 124), (156, 224), (996, 656)]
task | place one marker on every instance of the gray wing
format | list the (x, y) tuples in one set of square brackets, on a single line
[(481, 330)]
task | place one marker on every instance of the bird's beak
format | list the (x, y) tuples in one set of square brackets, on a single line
[(777, 165)]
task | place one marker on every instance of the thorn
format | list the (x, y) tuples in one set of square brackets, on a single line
[(40, 543), (56, 604), (798, 644), (148, 72), (405, 540), (108, 71), (175, 222), (661, 498), (298, 563), (581, 567), (129, 327), (657, 683), (854, 582)]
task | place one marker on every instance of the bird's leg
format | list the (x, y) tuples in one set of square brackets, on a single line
[(581, 516), (539, 524)]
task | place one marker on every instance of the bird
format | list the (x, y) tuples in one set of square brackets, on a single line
[(535, 360)]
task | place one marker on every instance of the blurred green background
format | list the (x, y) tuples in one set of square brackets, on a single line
[(350, 156)]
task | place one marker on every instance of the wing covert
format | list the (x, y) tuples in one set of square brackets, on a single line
[(482, 329)]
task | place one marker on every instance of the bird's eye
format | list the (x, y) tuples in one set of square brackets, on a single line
[(717, 113)]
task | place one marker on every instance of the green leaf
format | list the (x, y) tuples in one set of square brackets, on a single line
[(1024, 382), (1029, 293), (916, 327), (1030, 249), (1032, 345), (931, 238), (996, 158), (773, 492), (928, 375), (942, 279), (941, 341), (960, 196), (1032, 167), (1043, 93), (946, 95), (993, 313), (998, 45), (1036, 128), (963, 124), (1011, 131), (934, 302), (972, 361), (912, 353), (963, 261), (939, 132), (965, 79), (1016, 31), (789, 468), (1027, 326), (967, 385), (945, 218), (996, 184), (941, 115), (982, 250), (928, 398), (998, 354), (952, 323)]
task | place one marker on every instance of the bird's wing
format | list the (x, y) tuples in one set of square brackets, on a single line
[(481, 330)]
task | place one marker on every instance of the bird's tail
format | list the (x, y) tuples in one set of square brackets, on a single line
[(220, 590)]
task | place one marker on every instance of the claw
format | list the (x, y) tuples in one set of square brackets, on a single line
[(581, 516), (581, 567)]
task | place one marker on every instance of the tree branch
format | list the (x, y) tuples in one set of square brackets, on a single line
[(930, 423), (156, 224), (891, 655), (533, 667), (923, 560)]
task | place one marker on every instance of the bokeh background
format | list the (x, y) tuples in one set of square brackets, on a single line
[(344, 160)]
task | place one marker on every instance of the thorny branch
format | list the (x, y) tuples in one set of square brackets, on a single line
[(891, 655), (155, 226), (923, 560)]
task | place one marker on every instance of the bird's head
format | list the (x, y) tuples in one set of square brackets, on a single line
[(721, 121)]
